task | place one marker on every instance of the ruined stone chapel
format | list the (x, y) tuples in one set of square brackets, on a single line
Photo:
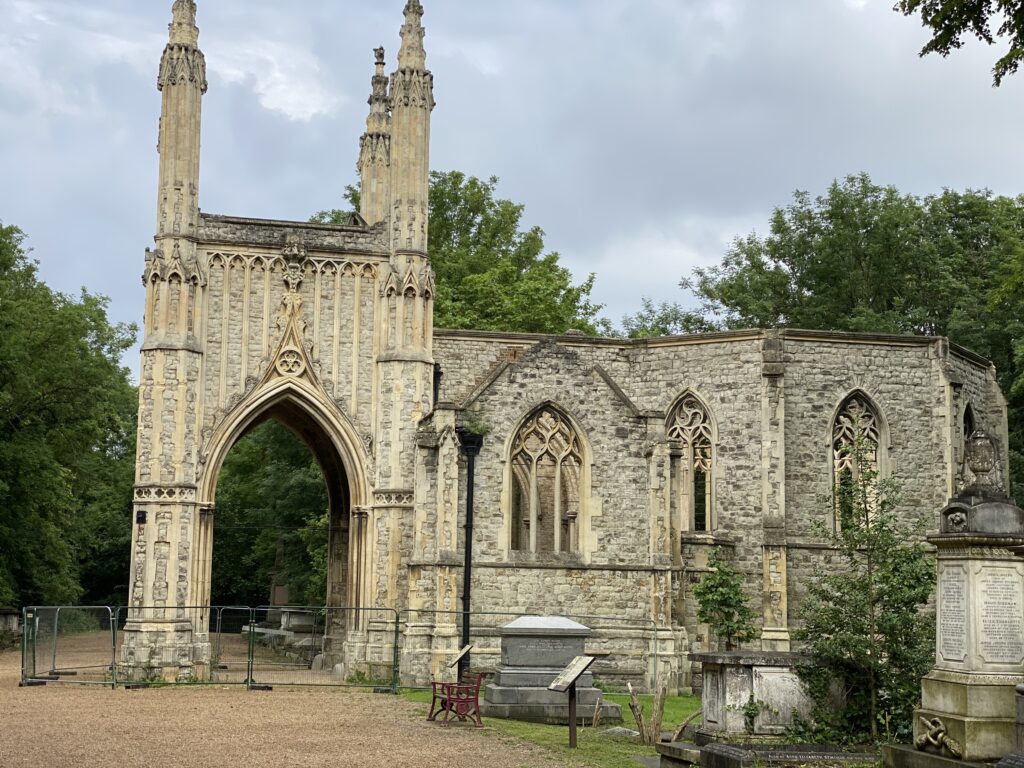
[(609, 468)]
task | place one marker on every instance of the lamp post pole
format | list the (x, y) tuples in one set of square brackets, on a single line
[(471, 444)]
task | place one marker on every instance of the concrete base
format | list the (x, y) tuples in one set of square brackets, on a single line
[(678, 753), (903, 756), (983, 739), (536, 704), (979, 711)]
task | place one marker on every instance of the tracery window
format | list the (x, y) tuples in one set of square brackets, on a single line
[(856, 422), (547, 463), (691, 449)]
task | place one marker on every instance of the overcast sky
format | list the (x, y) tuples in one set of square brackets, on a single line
[(642, 135)]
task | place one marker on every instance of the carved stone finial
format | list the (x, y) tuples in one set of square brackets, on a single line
[(981, 457), (379, 55), (412, 54), (183, 28)]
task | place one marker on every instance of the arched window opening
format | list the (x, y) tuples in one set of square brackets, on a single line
[(969, 423), (691, 449), (547, 462), (856, 437), (271, 522)]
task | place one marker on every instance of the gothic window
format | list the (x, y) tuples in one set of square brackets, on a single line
[(691, 450), (967, 427), (547, 462), (856, 423)]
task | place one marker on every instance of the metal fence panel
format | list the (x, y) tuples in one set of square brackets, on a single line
[(69, 644), (328, 646)]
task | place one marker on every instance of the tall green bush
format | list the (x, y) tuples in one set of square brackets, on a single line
[(866, 624)]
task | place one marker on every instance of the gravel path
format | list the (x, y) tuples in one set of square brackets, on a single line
[(73, 726)]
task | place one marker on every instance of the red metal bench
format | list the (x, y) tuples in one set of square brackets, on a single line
[(461, 700)]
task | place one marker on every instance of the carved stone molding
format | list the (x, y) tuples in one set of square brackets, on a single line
[(182, 64), (393, 498), (164, 494), (412, 88)]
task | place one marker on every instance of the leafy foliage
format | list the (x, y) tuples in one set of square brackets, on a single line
[(722, 603), (67, 437), (664, 319), (864, 257), (951, 21), (491, 275), (865, 623), (271, 522)]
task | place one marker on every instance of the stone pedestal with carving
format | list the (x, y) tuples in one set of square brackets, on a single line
[(979, 643)]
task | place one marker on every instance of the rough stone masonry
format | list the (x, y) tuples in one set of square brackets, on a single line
[(610, 468)]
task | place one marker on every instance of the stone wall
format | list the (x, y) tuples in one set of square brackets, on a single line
[(772, 396)]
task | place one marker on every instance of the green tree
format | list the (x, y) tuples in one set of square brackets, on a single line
[(663, 319), (723, 604), (271, 521), (864, 257), (491, 274), (950, 21), (865, 624), (67, 412)]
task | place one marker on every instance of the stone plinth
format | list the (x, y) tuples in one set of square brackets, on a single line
[(534, 649), (979, 643), (979, 633), (731, 678), (10, 620)]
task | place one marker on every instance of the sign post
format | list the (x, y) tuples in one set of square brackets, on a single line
[(566, 682), (456, 662)]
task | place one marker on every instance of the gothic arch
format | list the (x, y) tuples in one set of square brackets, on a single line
[(692, 433), (547, 484), (305, 410), (856, 416), (881, 425)]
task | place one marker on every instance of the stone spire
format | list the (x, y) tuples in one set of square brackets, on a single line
[(183, 30), (412, 54), (411, 99), (182, 83), (375, 149), (173, 275)]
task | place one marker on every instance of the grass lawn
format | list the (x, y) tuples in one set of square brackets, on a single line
[(594, 749)]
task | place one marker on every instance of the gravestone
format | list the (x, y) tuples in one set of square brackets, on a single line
[(979, 642), (734, 679), (534, 650)]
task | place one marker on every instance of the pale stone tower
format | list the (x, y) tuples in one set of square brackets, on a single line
[(164, 569), (405, 364)]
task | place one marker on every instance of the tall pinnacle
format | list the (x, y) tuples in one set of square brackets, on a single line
[(412, 54), (379, 118), (375, 149), (183, 30)]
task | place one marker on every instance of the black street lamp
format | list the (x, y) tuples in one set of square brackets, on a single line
[(471, 444)]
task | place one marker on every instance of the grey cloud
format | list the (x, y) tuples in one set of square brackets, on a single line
[(641, 134)]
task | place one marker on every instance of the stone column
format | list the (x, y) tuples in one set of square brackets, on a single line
[(774, 591)]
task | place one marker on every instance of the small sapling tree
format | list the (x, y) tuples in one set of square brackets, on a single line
[(722, 603), (866, 624)]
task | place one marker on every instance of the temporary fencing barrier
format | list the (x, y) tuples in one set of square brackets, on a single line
[(304, 645), (69, 644)]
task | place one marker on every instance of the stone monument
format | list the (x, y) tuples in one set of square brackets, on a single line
[(534, 650), (750, 693), (979, 645)]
